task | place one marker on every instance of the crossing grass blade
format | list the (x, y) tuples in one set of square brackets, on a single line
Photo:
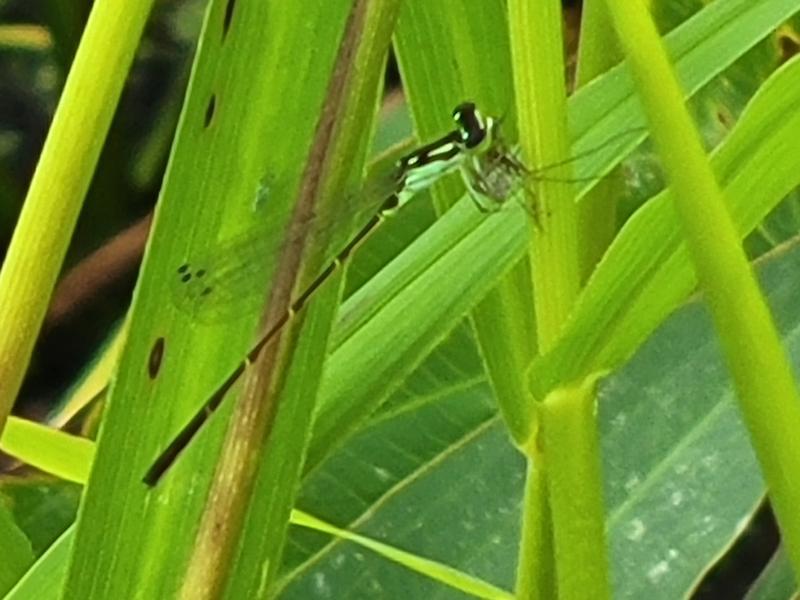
[(503, 321)]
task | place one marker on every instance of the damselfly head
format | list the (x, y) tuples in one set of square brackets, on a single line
[(472, 125)]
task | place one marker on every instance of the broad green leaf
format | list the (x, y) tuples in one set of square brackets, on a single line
[(41, 509), (454, 499), (416, 318), (680, 475)]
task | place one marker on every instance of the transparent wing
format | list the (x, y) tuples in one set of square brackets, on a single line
[(223, 281), (228, 280)]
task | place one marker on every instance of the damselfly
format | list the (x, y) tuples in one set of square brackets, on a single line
[(225, 281), (476, 148)]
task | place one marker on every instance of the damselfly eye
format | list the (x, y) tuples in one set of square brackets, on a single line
[(471, 124)]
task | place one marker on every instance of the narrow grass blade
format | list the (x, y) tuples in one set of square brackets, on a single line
[(437, 571), (62, 177)]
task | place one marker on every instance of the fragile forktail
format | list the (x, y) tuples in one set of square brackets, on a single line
[(226, 282), (491, 172)]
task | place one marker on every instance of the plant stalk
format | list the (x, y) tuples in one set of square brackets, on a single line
[(552, 519)]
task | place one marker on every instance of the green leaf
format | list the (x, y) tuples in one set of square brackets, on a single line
[(66, 456), (680, 474), (432, 569), (766, 389), (359, 356), (461, 66), (45, 580), (646, 272), (43, 507), (18, 552), (239, 158)]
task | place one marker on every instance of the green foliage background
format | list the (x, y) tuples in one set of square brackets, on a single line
[(408, 446)]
